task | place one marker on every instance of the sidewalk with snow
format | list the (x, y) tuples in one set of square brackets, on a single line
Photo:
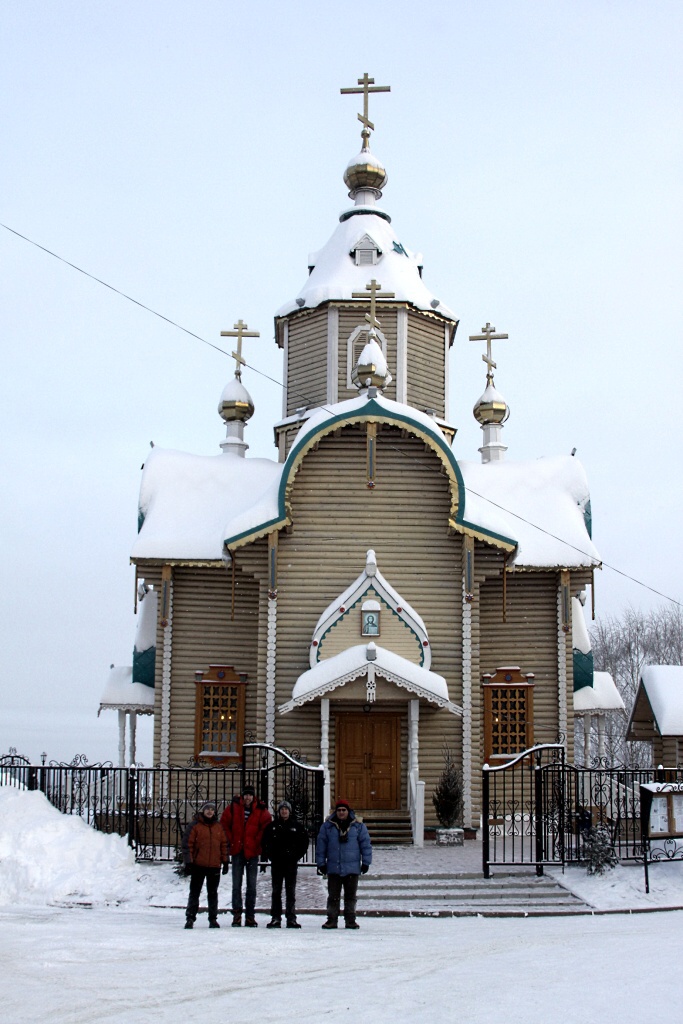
[(88, 935)]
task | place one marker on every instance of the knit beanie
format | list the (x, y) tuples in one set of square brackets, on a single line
[(285, 803)]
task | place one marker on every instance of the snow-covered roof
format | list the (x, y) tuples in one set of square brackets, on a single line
[(336, 276), (601, 696), (186, 501), (122, 694), (514, 498), (663, 685), (193, 503), (355, 662)]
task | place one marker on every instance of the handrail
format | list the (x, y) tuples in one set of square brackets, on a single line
[(521, 757)]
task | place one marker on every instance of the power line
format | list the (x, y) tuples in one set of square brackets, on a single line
[(300, 394)]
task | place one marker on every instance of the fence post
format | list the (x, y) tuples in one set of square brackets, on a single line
[(485, 838), (131, 808), (32, 778), (538, 817)]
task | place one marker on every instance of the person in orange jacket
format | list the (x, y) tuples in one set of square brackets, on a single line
[(244, 822), (207, 848)]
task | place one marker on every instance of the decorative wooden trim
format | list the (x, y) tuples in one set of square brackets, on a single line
[(166, 619), (224, 677), (332, 355), (285, 367), (507, 679), (402, 355), (467, 695)]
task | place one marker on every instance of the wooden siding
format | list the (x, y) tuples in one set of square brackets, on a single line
[(426, 362), (528, 639), (307, 360), (336, 519), (203, 634), (350, 317)]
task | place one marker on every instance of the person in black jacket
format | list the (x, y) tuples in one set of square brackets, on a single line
[(285, 842)]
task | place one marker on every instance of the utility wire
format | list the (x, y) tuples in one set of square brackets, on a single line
[(300, 394)]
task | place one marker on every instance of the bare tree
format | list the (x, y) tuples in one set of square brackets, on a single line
[(623, 645)]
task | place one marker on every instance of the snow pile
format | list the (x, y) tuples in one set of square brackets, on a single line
[(48, 857)]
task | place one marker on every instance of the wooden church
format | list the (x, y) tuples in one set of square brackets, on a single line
[(368, 598)]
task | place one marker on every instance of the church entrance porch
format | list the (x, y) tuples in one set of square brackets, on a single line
[(368, 760)]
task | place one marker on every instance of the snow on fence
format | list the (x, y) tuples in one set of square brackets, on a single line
[(152, 806)]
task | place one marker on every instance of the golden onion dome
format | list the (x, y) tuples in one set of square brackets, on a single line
[(365, 170), (235, 403), (491, 407), (371, 368)]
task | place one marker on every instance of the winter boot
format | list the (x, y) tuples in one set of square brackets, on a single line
[(293, 923), (213, 923), (189, 923), (250, 922), (237, 920), (330, 923), (275, 923), (350, 922)]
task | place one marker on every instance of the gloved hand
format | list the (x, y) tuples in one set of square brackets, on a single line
[(226, 867), (364, 868), (187, 870), (322, 872), (263, 868)]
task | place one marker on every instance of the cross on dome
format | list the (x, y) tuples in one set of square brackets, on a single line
[(375, 294), (367, 86), (488, 335), (240, 331)]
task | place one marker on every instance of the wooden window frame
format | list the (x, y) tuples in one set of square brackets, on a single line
[(507, 679), (224, 677)]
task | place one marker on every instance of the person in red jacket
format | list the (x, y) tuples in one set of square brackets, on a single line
[(244, 822), (206, 847)]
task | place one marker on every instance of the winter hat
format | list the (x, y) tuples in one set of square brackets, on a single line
[(205, 806), (248, 790), (285, 803), (342, 803)]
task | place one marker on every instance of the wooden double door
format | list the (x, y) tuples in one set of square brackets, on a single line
[(368, 760)]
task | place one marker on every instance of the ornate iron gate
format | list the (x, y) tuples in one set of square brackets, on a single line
[(538, 810), (152, 806)]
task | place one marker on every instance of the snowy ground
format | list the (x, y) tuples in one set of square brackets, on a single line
[(125, 961)]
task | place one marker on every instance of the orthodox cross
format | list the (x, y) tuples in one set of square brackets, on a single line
[(488, 335), (240, 331), (373, 287), (367, 86)]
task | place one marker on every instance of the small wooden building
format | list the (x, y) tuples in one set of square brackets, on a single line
[(370, 598), (657, 715)]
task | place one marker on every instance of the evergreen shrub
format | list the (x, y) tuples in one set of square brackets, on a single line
[(448, 795)]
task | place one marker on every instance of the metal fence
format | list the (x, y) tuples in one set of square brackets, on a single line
[(538, 810), (152, 806)]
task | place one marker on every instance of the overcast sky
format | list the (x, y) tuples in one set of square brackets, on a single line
[(191, 155)]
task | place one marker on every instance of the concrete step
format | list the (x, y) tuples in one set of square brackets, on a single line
[(389, 829), (467, 894)]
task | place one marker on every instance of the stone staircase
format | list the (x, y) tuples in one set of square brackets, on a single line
[(512, 895), (388, 828)]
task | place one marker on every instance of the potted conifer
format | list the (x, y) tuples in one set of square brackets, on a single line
[(448, 803)]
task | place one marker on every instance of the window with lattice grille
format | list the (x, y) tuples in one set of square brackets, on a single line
[(508, 717), (219, 713)]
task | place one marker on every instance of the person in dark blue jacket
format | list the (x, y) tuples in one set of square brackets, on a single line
[(343, 852)]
